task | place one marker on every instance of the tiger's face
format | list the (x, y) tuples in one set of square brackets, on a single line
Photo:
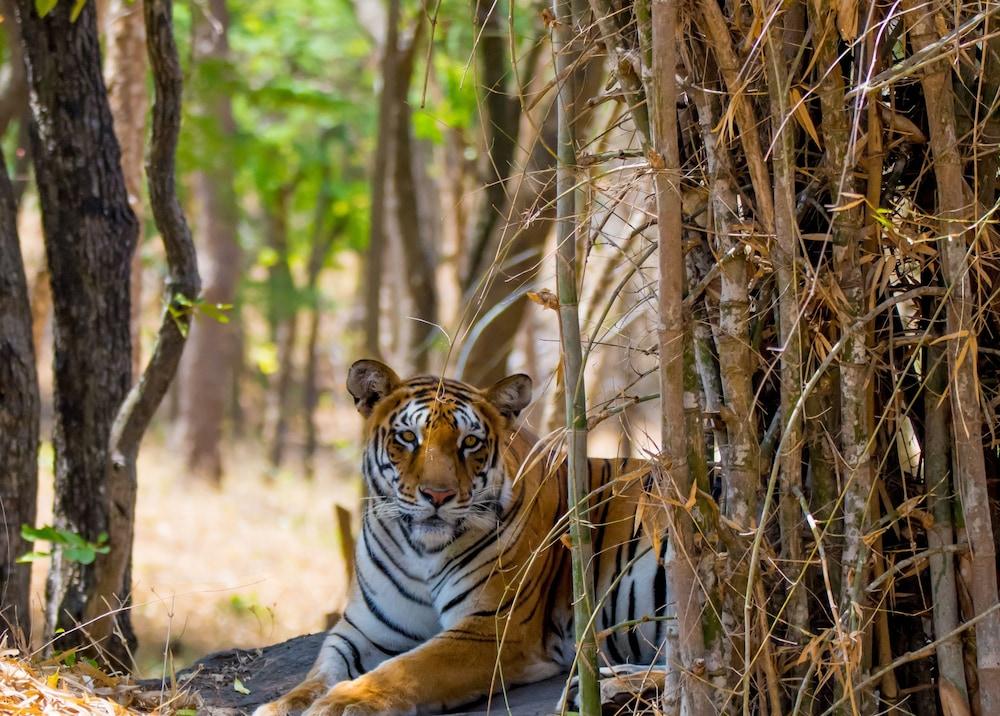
[(433, 450)]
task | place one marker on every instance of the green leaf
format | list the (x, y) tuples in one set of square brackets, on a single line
[(81, 555), (239, 687), (77, 9), (216, 311), (44, 7), (47, 533), (32, 557)]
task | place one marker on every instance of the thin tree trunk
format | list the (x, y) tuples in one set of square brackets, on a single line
[(941, 535), (518, 242), (379, 184), (956, 211), (688, 655), (90, 236), (785, 254), (419, 263), (113, 582), (13, 81), (18, 423), (500, 113), (206, 369), (284, 327), (578, 471), (125, 75)]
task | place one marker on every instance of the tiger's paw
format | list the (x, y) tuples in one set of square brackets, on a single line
[(295, 700), (626, 689), (360, 697)]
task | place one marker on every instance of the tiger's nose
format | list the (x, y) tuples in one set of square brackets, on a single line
[(437, 496)]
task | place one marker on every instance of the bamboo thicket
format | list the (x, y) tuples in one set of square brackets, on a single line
[(805, 194)]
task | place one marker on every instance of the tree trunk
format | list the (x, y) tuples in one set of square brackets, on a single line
[(13, 82), (855, 388), (577, 465), (284, 325), (496, 297), (941, 535), (90, 236), (125, 75), (207, 366), (958, 219), (379, 184), (688, 654), (18, 423), (419, 264), (500, 114)]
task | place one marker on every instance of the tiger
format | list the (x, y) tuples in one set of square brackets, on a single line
[(462, 583)]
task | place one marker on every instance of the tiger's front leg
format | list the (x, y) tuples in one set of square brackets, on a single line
[(346, 654), (453, 668)]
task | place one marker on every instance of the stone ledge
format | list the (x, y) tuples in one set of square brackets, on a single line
[(269, 672)]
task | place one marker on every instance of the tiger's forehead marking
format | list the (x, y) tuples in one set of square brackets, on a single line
[(439, 403)]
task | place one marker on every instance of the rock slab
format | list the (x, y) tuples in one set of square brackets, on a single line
[(271, 671)]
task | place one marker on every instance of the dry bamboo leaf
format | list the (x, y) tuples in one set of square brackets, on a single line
[(847, 19), (802, 115), (854, 200), (692, 497), (813, 651), (950, 337), (952, 701), (902, 126), (544, 298), (964, 351)]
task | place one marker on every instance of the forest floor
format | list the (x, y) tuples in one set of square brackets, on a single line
[(248, 564)]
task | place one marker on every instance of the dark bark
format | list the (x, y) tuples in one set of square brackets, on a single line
[(13, 80), (379, 184), (284, 326), (516, 247), (90, 235), (418, 253), (113, 581), (18, 422), (206, 369), (500, 116)]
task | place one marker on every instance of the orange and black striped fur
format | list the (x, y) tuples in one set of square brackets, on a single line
[(462, 584)]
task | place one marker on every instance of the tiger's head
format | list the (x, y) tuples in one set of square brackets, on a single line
[(432, 455)]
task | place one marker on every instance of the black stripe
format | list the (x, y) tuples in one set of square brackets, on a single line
[(347, 662), (354, 652), (381, 567), (378, 613), (660, 588), (455, 601), (633, 640), (385, 650)]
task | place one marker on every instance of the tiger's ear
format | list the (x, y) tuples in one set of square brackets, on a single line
[(511, 395), (369, 381)]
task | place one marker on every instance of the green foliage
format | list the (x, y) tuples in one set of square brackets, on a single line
[(44, 7), (74, 547)]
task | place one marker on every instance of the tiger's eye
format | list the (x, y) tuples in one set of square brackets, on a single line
[(470, 441), (409, 436)]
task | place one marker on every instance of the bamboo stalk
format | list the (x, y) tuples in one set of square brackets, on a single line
[(855, 388), (785, 253), (956, 211), (940, 535), (572, 364), (689, 654)]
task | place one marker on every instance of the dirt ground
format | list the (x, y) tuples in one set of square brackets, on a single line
[(251, 564)]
